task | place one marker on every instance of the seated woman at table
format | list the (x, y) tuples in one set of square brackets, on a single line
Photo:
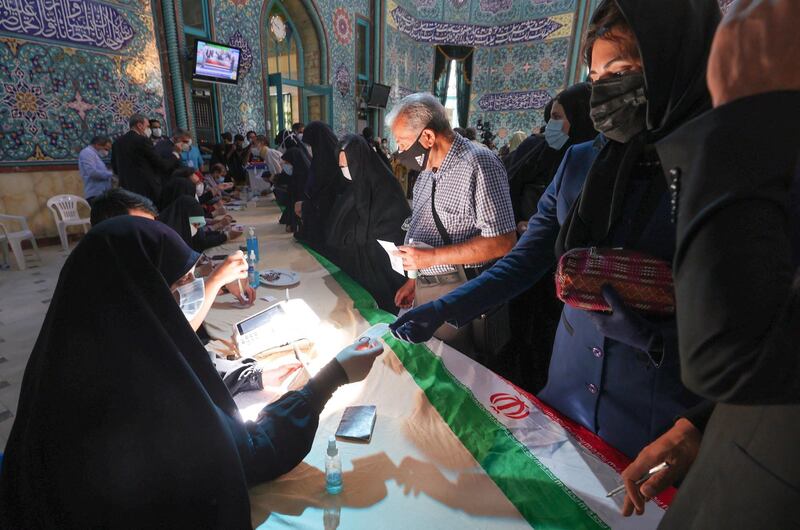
[(116, 202), (373, 207), (123, 420), (188, 218)]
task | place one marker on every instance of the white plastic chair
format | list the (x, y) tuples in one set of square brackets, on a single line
[(65, 212), (15, 239)]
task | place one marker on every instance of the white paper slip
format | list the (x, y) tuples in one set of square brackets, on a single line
[(375, 332), (396, 261), (269, 299)]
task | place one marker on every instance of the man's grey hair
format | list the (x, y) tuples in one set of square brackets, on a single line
[(421, 111), (181, 133), (135, 120)]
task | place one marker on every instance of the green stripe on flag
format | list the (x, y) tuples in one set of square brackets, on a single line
[(542, 499)]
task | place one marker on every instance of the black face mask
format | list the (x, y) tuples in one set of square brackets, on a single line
[(619, 107), (415, 158)]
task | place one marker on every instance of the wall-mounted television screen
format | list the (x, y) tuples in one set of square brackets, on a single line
[(216, 62), (378, 95)]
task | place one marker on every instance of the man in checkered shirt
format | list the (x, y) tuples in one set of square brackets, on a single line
[(471, 196)]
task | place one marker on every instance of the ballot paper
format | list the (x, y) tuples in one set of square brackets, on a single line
[(375, 332), (396, 261)]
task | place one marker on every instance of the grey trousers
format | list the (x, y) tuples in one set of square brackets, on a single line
[(430, 288)]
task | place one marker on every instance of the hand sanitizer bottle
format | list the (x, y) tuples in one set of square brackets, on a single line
[(252, 273), (252, 243), (333, 468)]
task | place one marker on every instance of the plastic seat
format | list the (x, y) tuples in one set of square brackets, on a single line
[(15, 239), (65, 212)]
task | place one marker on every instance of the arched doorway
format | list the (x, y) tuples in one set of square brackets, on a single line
[(294, 54)]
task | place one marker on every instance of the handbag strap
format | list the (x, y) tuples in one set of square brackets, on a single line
[(436, 220)]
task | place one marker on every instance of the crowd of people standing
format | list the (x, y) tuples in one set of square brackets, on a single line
[(649, 155)]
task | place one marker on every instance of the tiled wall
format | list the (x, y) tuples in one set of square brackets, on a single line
[(243, 105), (67, 76), (515, 70)]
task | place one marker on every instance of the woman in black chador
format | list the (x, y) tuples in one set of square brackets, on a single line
[(123, 421), (373, 207)]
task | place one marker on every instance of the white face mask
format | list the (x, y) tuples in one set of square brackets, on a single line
[(199, 189), (191, 297), (102, 152), (299, 137), (346, 172), (148, 132), (255, 151), (156, 132)]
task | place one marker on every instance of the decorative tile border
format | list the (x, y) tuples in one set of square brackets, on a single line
[(473, 35), (529, 99)]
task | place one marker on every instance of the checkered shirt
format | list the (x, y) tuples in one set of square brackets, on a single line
[(472, 199)]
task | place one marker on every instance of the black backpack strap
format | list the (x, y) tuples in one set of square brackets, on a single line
[(439, 226)]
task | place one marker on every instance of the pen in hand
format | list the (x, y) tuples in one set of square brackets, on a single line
[(659, 468)]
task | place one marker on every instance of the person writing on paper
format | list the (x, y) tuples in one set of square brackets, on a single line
[(133, 427), (373, 207), (117, 202), (462, 209), (736, 286), (616, 373)]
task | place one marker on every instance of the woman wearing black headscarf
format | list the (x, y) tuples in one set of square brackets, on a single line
[(535, 313), (290, 184), (373, 207), (123, 421), (616, 374), (324, 183), (569, 123), (180, 196)]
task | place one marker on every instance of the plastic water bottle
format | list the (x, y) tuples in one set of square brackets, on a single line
[(252, 273), (331, 517), (413, 273), (252, 243), (333, 468)]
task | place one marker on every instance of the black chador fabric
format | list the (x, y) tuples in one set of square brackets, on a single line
[(177, 215), (674, 39), (531, 175), (120, 420), (183, 205), (373, 207), (123, 421), (324, 182), (293, 185), (174, 188)]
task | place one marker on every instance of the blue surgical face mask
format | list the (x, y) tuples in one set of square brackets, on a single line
[(191, 297), (288, 169), (555, 135)]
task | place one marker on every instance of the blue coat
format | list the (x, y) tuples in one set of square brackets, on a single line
[(612, 389)]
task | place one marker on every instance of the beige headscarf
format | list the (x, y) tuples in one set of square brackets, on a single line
[(515, 140)]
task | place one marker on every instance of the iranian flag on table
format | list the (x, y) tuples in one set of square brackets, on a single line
[(556, 473)]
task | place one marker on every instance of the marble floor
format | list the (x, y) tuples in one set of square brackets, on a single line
[(24, 299)]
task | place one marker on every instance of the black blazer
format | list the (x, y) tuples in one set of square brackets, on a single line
[(738, 310), (138, 167)]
